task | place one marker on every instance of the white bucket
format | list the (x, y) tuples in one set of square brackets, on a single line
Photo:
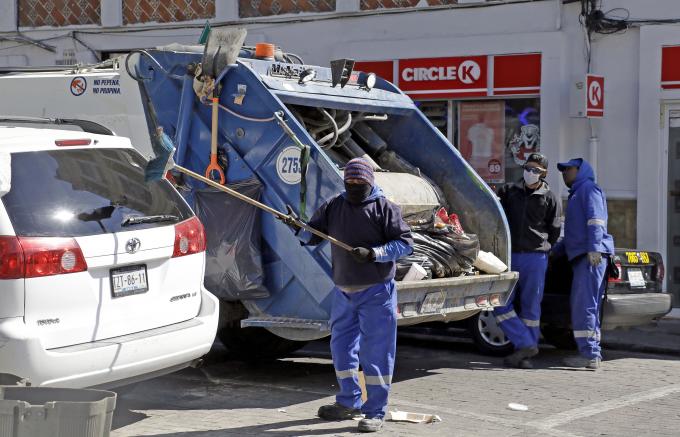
[(415, 273)]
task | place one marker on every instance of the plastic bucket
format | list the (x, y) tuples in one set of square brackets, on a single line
[(55, 412)]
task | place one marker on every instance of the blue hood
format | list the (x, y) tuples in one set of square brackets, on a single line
[(585, 173), (376, 193)]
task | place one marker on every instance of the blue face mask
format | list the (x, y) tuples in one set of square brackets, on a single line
[(357, 193)]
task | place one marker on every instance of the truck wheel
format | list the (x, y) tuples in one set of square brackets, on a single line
[(255, 344), (561, 338), (487, 335)]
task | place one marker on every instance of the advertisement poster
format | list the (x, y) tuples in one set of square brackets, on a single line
[(481, 132)]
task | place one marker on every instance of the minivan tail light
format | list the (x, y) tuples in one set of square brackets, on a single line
[(73, 142), (11, 258), (51, 256), (189, 237), (34, 257)]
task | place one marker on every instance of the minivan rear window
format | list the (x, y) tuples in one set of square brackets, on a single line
[(74, 193)]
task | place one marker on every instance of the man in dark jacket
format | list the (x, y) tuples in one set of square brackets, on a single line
[(363, 315), (534, 214), (588, 247)]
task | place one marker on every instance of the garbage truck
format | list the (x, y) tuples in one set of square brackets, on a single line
[(285, 130)]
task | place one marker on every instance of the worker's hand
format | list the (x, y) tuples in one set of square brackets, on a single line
[(595, 258), (363, 255), (291, 219)]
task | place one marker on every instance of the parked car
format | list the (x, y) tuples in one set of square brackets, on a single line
[(635, 297), (101, 273)]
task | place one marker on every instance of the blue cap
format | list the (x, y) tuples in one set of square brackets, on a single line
[(576, 162)]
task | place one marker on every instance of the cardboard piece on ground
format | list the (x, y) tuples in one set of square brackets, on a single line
[(403, 416)]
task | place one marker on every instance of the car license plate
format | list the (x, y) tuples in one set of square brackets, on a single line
[(129, 280), (433, 302), (636, 279)]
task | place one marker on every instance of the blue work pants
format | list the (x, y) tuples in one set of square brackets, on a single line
[(587, 291), (364, 331)]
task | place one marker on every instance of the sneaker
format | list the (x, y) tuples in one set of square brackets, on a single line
[(526, 364), (371, 425), (338, 412), (515, 358), (582, 362)]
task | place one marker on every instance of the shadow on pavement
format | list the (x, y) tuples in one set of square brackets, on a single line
[(270, 429)]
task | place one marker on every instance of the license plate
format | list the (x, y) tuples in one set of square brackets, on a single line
[(129, 280), (636, 279), (433, 302)]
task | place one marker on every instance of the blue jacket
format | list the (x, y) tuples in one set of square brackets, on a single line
[(585, 222), (376, 223)]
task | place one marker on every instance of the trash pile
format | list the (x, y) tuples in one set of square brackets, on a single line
[(442, 248)]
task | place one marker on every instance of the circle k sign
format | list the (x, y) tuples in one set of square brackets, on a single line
[(431, 76), (594, 96)]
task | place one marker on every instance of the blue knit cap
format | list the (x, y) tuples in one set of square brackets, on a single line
[(359, 168)]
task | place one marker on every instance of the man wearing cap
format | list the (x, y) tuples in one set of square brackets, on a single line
[(363, 315), (534, 214), (588, 247)]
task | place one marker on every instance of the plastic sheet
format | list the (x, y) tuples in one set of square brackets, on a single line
[(233, 269)]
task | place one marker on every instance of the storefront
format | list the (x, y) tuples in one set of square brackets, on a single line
[(487, 106)]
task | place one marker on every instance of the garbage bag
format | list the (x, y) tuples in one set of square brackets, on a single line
[(233, 269)]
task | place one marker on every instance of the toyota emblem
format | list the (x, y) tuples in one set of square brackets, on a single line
[(133, 245)]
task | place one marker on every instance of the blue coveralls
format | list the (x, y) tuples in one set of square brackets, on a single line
[(364, 320), (585, 230)]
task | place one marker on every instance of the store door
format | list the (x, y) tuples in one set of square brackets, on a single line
[(673, 240)]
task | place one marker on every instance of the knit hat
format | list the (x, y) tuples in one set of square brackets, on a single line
[(359, 168)]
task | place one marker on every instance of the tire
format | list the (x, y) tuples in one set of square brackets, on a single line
[(561, 338), (255, 344), (487, 335)]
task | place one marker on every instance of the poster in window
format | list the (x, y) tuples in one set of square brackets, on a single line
[(481, 138)]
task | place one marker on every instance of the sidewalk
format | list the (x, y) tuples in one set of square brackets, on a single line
[(663, 337)]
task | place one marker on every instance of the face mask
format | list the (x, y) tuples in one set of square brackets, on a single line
[(531, 178), (357, 193)]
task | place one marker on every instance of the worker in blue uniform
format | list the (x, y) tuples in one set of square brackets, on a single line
[(363, 315), (534, 215), (588, 247)]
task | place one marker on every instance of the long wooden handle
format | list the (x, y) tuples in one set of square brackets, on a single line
[(262, 206)]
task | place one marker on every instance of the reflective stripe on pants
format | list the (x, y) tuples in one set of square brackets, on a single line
[(364, 330), (587, 291), (523, 329)]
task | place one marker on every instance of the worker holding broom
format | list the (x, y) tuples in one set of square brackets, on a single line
[(363, 316)]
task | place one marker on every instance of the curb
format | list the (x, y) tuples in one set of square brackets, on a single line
[(635, 347)]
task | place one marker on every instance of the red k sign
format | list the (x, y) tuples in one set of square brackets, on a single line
[(444, 77), (594, 96)]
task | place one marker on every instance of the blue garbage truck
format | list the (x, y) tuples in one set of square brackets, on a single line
[(275, 294)]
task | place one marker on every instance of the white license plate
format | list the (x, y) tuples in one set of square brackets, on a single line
[(129, 280), (636, 279), (433, 302)]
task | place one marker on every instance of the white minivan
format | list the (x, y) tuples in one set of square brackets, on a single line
[(101, 273)]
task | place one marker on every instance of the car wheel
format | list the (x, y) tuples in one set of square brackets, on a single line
[(561, 338), (488, 336), (255, 344)]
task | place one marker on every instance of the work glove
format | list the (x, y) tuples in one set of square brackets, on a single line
[(595, 258), (290, 219), (363, 255)]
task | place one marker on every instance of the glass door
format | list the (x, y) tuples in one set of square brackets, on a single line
[(673, 240)]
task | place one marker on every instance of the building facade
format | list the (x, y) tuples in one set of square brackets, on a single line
[(499, 78)]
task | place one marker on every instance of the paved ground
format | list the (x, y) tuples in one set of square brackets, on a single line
[(634, 394)]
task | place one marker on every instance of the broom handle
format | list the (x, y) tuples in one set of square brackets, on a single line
[(263, 207)]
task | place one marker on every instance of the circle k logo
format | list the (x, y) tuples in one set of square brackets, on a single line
[(467, 72)]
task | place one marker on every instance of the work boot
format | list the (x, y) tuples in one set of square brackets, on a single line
[(582, 362), (338, 412), (371, 425), (526, 364), (515, 358)]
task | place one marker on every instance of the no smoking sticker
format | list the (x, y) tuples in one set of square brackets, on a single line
[(78, 86)]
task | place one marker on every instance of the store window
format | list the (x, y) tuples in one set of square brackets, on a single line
[(494, 136)]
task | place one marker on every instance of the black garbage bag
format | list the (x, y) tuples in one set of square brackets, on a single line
[(233, 268), (466, 247)]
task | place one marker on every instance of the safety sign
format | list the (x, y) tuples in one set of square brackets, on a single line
[(78, 86)]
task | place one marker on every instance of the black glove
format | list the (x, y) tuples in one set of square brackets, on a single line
[(363, 255), (291, 219)]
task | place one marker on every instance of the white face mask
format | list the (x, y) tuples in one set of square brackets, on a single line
[(531, 178)]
